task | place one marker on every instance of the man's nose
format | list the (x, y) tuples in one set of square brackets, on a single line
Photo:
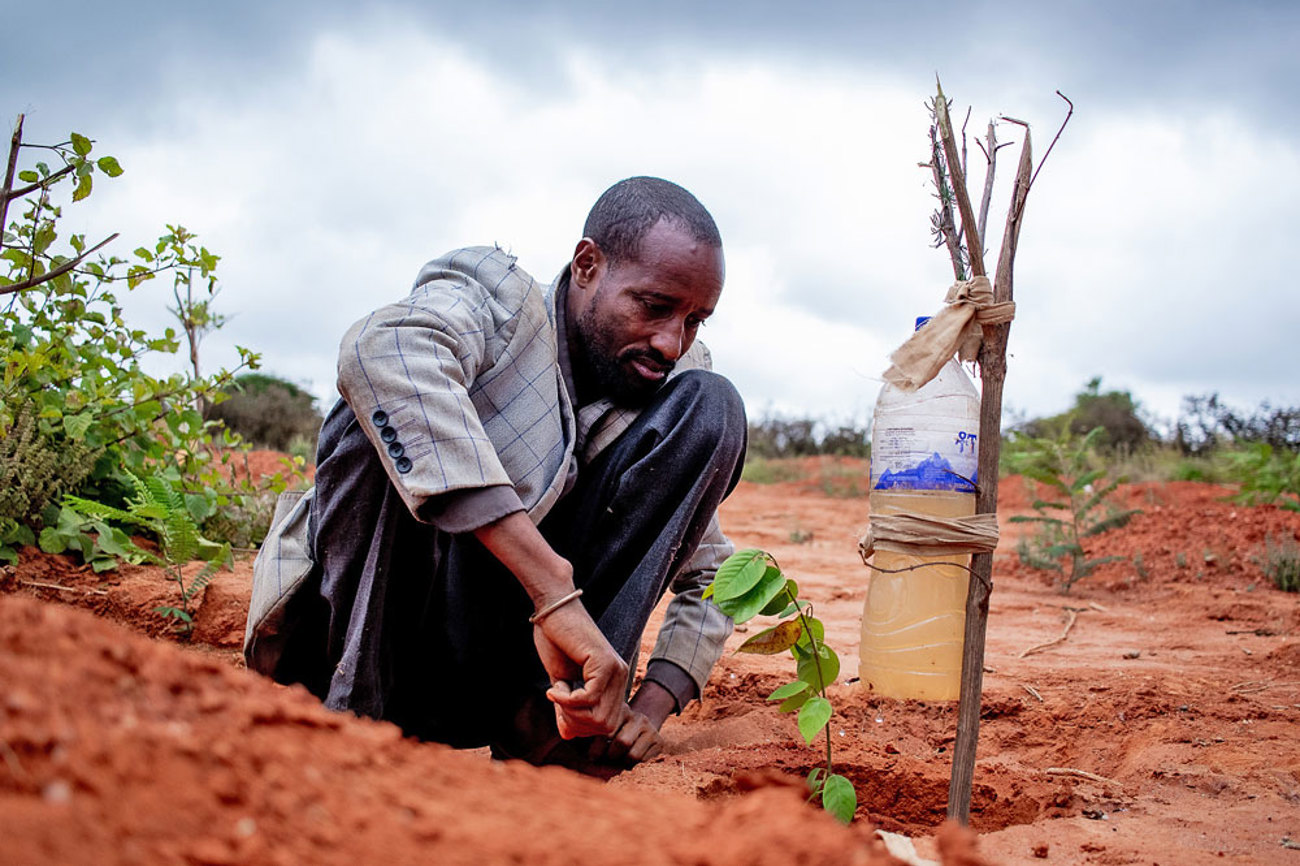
[(668, 340)]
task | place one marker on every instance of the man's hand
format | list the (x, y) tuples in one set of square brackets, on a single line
[(587, 676), (637, 740)]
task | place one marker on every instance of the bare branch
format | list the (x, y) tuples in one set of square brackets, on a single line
[(19, 193), (943, 220), (14, 144), (1048, 152), (57, 272), (991, 155), (973, 250)]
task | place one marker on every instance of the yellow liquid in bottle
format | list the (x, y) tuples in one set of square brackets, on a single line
[(914, 622)]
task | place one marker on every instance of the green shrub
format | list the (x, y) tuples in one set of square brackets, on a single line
[(1268, 476), (37, 467), (1280, 562), (1079, 496), (762, 470), (270, 412), (160, 510), (75, 370)]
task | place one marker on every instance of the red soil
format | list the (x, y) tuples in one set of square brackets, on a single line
[(1178, 685)]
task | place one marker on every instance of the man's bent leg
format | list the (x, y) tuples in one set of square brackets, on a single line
[(639, 510), (405, 619)]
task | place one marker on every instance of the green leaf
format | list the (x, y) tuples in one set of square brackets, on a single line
[(52, 541), (747, 606), (816, 780), (28, 176), (822, 671), (818, 632), (781, 601), (83, 188), (80, 144), (108, 165), (739, 574), (794, 702), (839, 798), (813, 716), (788, 690), (1085, 479), (76, 426), (771, 641)]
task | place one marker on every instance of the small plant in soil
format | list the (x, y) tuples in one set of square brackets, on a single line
[(1280, 562), (159, 508), (1078, 495), (750, 583)]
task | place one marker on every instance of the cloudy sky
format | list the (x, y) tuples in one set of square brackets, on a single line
[(327, 149)]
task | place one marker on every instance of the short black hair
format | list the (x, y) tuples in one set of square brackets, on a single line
[(627, 210)]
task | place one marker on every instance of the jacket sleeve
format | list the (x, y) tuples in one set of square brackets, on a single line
[(694, 631), (406, 370)]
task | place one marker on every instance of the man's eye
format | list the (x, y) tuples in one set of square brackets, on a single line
[(656, 308), (693, 322)]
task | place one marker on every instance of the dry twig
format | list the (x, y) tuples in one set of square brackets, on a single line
[(1073, 617), (1081, 774), (64, 588), (1033, 691)]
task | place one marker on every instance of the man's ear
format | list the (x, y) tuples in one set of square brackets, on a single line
[(588, 261)]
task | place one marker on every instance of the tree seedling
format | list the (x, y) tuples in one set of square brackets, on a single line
[(160, 509), (1079, 496), (750, 583)]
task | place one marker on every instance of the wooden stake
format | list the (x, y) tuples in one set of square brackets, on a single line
[(993, 371)]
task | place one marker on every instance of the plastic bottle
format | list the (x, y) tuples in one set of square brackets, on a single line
[(923, 450)]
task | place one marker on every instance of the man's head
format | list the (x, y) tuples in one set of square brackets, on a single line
[(646, 274)]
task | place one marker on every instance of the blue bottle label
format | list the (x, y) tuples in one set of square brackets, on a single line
[(939, 457)]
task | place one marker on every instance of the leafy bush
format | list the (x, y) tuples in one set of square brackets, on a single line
[(1268, 476), (774, 436), (1079, 492), (1206, 423), (37, 467), (270, 412), (73, 367), (1115, 412), (1280, 562), (157, 508)]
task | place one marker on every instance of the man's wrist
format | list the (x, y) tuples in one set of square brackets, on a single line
[(654, 702)]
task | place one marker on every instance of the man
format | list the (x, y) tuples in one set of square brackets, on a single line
[(511, 481)]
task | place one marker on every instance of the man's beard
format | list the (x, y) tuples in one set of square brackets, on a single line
[(607, 370)]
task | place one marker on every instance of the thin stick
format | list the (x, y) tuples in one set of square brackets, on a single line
[(991, 155), (32, 187), (993, 371), (14, 144), (1048, 152), (64, 588), (1033, 691), (1060, 639), (1081, 774), (944, 222), (57, 272), (974, 252)]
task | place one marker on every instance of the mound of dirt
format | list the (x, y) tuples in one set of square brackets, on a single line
[(1160, 727), (117, 749)]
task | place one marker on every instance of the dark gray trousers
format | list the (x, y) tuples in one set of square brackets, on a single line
[(405, 622)]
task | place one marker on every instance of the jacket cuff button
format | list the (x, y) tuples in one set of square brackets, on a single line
[(395, 449), (388, 434), (380, 418), (402, 465)]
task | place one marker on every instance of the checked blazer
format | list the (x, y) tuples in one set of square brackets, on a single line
[(459, 387)]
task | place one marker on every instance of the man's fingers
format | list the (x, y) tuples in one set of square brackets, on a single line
[(647, 746)]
